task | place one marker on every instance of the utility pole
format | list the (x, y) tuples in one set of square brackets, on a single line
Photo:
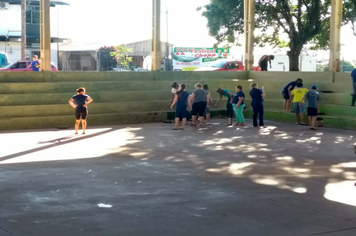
[(167, 45), (335, 35), (45, 35), (23, 29), (156, 35), (249, 25)]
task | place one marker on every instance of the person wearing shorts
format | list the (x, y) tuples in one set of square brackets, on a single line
[(80, 103), (312, 99), (181, 99), (207, 110), (286, 92), (264, 60), (200, 100), (299, 106)]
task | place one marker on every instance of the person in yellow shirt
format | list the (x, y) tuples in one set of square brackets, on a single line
[(299, 106)]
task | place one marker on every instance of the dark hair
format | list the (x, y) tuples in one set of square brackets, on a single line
[(220, 91), (175, 85), (182, 87), (239, 87), (299, 80), (205, 87), (271, 56), (79, 90), (299, 85)]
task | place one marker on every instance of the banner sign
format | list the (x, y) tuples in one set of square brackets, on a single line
[(188, 59)]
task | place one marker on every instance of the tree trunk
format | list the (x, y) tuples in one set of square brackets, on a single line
[(293, 55)]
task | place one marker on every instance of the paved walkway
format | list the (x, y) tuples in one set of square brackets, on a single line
[(148, 180)]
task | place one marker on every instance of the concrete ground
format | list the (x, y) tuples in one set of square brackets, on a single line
[(146, 179)]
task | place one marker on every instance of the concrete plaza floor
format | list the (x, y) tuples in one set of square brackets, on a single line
[(146, 179)]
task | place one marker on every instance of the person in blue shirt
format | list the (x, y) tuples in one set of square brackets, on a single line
[(80, 103), (229, 94), (257, 105), (286, 92), (35, 64), (238, 104), (353, 77), (181, 98)]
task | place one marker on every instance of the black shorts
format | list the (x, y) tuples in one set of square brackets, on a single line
[(285, 94), (264, 66), (312, 111), (81, 114), (198, 108)]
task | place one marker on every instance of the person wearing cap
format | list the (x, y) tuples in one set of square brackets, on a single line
[(353, 77), (35, 64), (312, 99)]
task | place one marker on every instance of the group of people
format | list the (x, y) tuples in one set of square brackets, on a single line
[(303, 99), (199, 103)]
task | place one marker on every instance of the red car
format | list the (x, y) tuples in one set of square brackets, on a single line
[(223, 65), (23, 66)]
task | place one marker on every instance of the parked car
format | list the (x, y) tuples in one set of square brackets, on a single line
[(3, 60), (23, 66), (224, 65)]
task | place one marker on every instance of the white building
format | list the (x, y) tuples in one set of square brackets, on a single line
[(10, 29)]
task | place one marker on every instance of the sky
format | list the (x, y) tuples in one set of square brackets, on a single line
[(112, 22), (123, 21)]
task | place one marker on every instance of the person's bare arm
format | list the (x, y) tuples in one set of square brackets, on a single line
[(270, 63), (89, 100), (172, 97), (218, 101), (191, 99), (240, 101), (207, 98), (71, 103), (231, 96), (174, 101)]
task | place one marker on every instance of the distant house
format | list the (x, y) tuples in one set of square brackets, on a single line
[(143, 48), (10, 29)]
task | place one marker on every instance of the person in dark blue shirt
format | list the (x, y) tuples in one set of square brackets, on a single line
[(238, 104), (257, 104), (80, 103), (353, 76), (286, 92), (182, 100)]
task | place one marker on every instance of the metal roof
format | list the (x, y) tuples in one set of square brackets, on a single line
[(35, 2)]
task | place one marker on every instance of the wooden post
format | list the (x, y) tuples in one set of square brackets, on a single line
[(249, 24), (156, 35), (23, 29), (45, 35), (335, 34)]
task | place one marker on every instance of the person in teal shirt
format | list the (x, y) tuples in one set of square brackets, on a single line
[(229, 94)]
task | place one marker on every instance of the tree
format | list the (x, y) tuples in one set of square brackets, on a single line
[(345, 66), (303, 21), (120, 54), (349, 14), (106, 61)]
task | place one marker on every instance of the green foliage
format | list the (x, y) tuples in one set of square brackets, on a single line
[(303, 21), (345, 66), (120, 54), (349, 14), (106, 61)]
